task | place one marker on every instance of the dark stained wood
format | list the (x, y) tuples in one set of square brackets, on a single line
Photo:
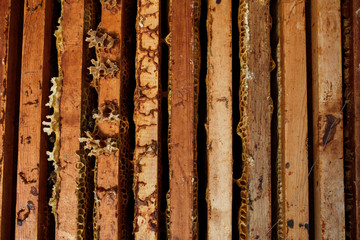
[(10, 55), (255, 122), (184, 76)]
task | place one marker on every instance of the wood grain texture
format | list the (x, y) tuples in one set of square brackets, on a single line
[(351, 76), (254, 127), (219, 120), (294, 123), (349, 49), (259, 111), (32, 145), (110, 207), (10, 54), (146, 118), (72, 66), (184, 70), (107, 174), (327, 120), (355, 84)]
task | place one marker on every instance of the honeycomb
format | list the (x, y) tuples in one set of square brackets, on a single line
[(242, 128), (100, 69), (99, 146), (125, 151), (110, 5), (280, 226), (99, 40), (53, 126), (197, 65), (168, 42), (99, 143), (86, 174)]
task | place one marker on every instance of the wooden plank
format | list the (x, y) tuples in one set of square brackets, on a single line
[(32, 160), (254, 126), (112, 176), (355, 83), (70, 36), (219, 120), (327, 120), (351, 76), (184, 67), (10, 54), (146, 118), (294, 123)]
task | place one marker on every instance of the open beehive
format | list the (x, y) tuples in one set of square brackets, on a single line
[(193, 119)]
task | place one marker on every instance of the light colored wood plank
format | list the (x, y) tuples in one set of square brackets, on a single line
[(184, 67), (255, 116), (327, 120), (294, 123), (219, 120), (146, 118), (10, 56), (32, 160)]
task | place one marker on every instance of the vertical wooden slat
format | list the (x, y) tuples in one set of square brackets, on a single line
[(294, 128), (219, 120), (146, 118), (356, 108), (349, 47), (107, 164), (184, 70), (327, 120), (70, 37), (352, 79), (112, 179), (254, 126), (32, 161), (10, 56)]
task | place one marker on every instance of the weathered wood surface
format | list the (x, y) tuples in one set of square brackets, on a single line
[(294, 123), (255, 112), (355, 86), (184, 69), (10, 55), (351, 76), (146, 118), (327, 120), (32, 143), (356, 105), (70, 37), (219, 120), (112, 186)]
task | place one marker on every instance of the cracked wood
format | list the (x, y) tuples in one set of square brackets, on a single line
[(146, 118)]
